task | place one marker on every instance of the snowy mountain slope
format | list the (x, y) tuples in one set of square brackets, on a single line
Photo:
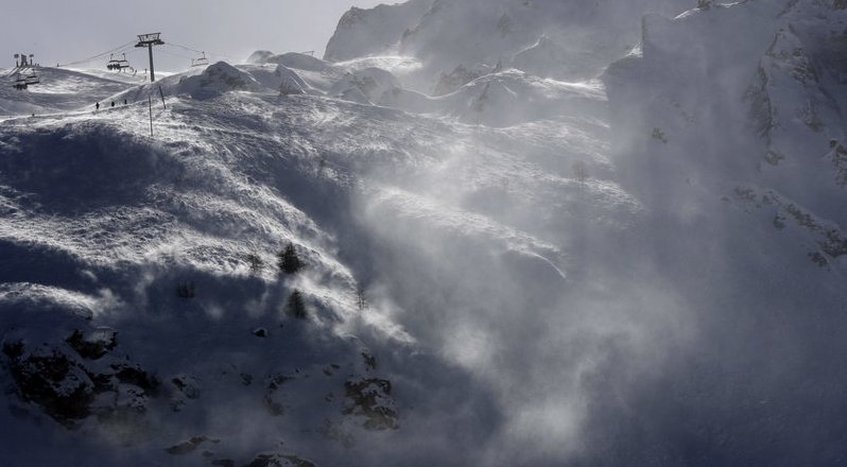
[(61, 89), (756, 249), (117, 220), (521, 271), (497, 97), (763, 100), (802, 122), (582, 37)]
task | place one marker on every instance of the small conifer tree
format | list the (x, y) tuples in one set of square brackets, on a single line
[(255, 263), (296, 307), (289, 262)]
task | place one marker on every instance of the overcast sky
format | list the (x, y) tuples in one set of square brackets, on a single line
[(62, 31)]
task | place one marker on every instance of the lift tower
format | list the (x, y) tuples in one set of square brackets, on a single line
[(149, 40)]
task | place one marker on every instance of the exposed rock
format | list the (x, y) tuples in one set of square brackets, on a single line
[(370, 360), (53, 380), (278, 460), (460, 76), (186, 388), (189, 446), (832, 243), (371, 398), (93, 345), (275, 407), (133, 374), (363, 32)]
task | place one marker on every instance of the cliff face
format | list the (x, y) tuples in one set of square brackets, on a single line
[(580, 37), (375, 31)]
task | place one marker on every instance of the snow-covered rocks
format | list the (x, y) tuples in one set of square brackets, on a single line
[(215, 80), (373, 32), (448, 33), (511, 97), (281, 78), (550, 59), (290, 59), (365, 86), (74, 380), (460, 76), (259, 57)]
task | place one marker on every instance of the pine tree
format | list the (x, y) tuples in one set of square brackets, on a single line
[(289, 262), (296, 307), (255, 263)]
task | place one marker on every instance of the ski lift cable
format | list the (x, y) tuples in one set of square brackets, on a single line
[(125, 48), (175, 54), (190, 49), (119, 49)]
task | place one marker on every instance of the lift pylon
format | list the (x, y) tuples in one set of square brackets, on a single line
[(149, 40)]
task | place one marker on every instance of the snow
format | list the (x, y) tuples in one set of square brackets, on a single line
[(364, 32), (159, 211), (587, 249)]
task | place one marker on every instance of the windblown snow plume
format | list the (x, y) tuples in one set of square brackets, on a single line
[(500, 232)]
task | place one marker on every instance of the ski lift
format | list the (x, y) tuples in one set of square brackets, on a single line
[(123, 63), (20, 82), (200, 61), (32, 79), (114, 64)]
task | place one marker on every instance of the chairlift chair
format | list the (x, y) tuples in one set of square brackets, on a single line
[(123, 63), (20, 82), (200, 61), (114, 64)]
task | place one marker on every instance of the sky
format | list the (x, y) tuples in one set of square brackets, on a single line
[(59, 31)]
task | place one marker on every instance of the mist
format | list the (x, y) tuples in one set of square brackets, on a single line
[(532, 233)]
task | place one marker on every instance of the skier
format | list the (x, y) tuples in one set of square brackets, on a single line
[(97, 106), (124, 101), (113, 103)]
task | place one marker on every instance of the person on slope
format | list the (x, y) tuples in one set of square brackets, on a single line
[(96, 106)]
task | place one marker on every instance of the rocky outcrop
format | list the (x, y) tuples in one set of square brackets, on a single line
[(375, 31), (460, 76), (217, 79), (79, 379), (371, 398), (278, 460), (829, 242)]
